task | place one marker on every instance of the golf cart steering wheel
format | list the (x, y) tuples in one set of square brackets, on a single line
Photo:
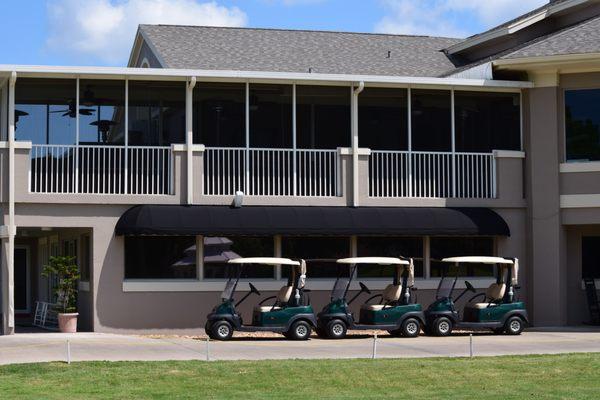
[(364, 288), (470, 287), (253, 289)]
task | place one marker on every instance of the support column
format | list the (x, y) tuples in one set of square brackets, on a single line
[(546, 245), (189, 137), (9, 229)]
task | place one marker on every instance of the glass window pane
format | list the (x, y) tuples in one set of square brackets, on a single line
[(323, 117), (45, 110), (590, 257), (431, 120), (487, 121), (582, 123), (315, 248), (442, 247), (156, 113), (102, 112), (220, 114), (382, 119), (389, 247), (271, 116), (160, 257), (218, 250)]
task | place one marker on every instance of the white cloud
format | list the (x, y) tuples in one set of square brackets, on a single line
[(103, 30), (454, 18)]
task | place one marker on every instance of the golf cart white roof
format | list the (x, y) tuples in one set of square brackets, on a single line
[(373, 260), (264, 260), (478, 260)]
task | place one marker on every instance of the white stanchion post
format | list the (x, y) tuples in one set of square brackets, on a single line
[(207, 349), (374, 355), (471, 345), (68, 352)]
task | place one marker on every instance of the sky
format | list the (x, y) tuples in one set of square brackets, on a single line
[(101, 32)]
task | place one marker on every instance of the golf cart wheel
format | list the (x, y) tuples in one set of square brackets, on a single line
[(300, 330), (442, 326), (514, 326), (336, 329), (410, 327), (221, 330)]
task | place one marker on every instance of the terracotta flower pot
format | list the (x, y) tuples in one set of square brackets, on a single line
[(67, 323)]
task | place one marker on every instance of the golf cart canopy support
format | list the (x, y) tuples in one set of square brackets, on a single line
[(332, 221)]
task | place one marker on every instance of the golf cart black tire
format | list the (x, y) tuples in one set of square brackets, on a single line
[(215, 334), (321, 332), (407, 327), (333, 329), (302, 326), (207, 327), (439, 321), (510, 324)]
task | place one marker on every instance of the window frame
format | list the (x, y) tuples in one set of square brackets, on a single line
[(563, 114)]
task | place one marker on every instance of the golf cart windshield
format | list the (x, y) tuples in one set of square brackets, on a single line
[(445, 287), (228, 291), (339, 289)]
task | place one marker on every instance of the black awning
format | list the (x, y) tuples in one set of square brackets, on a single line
[(326, 221)]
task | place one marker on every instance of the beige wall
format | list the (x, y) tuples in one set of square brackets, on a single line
[(182, 312)]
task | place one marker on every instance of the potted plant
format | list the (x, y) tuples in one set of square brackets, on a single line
[(67, 273)]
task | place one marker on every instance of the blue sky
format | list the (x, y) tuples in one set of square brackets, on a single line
[(100, 32)]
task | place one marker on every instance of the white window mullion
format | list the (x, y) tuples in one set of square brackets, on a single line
[(277, 248), (200, 257), (426, 257)]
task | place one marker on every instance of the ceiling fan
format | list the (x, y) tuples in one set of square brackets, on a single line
[(71, 112)]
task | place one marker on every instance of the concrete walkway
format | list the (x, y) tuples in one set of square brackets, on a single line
[(42, 347)]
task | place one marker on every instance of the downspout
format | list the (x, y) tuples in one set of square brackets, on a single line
[(189, 125), (354, 129), (10, 297)]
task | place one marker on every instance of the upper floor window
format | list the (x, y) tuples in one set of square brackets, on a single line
[(383, 119), (220, 114), (45, 110), (101, 111), (582, 125), (431, 120), (323, 116), (487, 121), (270, 116), (156, 113)]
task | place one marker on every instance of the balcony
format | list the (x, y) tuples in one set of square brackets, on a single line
[(101, 169)]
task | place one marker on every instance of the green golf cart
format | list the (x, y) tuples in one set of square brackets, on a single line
[(395, 311), (288, 313), (497, 308)]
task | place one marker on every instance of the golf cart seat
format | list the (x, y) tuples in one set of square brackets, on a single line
[(390, 294), (283, 296), (493, 294)]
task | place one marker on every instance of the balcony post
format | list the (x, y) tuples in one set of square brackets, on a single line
[(247, 152), (189, 137), (125, 138), (76, 183), (452, 118), (294, 144), (9, 230), (354, 130), (409, 110)]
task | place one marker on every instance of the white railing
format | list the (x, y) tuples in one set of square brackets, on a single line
[(270, 172), (432, 174), (101, 169)]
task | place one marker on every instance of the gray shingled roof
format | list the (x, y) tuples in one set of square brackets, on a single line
[(578, 39), (245, 49), (520, 17)]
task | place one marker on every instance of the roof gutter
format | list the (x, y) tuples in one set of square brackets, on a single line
[(243, 76)]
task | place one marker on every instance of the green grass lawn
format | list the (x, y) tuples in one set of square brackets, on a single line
[(573, 376)]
